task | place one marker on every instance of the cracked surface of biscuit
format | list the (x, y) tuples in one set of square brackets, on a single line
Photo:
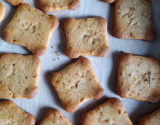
[(11, 114), (138, 78), (87, 36), (31, 28), (15, 2), (2, 11), (76, 84), (19, 76), (152, 119), (134, 20), (112, 112), (55, 117), (55, 5)]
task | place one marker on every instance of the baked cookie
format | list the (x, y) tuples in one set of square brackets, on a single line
[(54, 5), (86, 36), (138, 78), (19, 76), (109, 1), (2, 11), (112, 112), (76, 84), (134, 20), (152, 119), (31, 28), (55, 117), (11, 114), (15, 2)]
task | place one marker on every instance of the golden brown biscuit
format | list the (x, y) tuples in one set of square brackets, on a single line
[(112, 112), (86, 36), (11, 114), (55, 117), (15, 2), (31, 28), (138, 78), (2, 11), (54, 5), (109, 1), (152, 119), (76, 84), (19, 76), (134, 20)]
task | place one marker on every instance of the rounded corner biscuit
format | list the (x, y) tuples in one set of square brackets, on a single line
[(109, 1), (2, 11), (15, 2)]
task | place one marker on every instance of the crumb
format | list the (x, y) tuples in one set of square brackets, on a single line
[(55, 59), (98, 65), (58, 53), (52, 47)]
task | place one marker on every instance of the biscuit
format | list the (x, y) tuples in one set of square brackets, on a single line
[(19, 76), (15, 2), (11, 114), (112, 112), (134, 20), (138, 78), (109, 1), (55, 5), (31, 28), (86, 36), (152, 119), (55, 117), (2, 11), (76, 84)]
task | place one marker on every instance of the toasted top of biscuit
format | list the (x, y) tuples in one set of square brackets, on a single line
[(76, 84), (112, 112), (19, 76), (15, 2), (54, 5), (31, 28), (2, 11), (138, 77), (55, 117), (11, 114)]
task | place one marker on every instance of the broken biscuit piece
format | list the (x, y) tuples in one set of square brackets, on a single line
[(19, 76), (15, 2), (138, 77), (134, 20), (31, 28), (55, 117), (11, 114), (2, 11), (112, 112), (87, 36), (76, 84), (55, 5)]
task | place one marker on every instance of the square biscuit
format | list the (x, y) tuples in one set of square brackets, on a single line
[(76, 84), (19, 76), (11, 114), (152, 119), (138, 78), (55, 117), (15, 2), (2, 11), (87, 36), (55, 5), (109, 1), (112, 112), (31, 28), (134, 20)]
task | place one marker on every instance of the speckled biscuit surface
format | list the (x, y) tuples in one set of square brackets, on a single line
[(152, 119), (31, 28), (134, 20), (2, 11), (54, 5), (55, 117), (19, 76), (138, 78), (76, 84), (112, 112), (15, 2), (87, 36), (11, 114), (109, 1)]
